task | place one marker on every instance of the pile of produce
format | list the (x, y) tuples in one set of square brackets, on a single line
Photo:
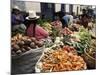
[(66, 31), (92, 50), (89, 55), (69, 49), (80, 40), (47, 27), (21, 44), (57, 25), (56, 29), (62, 59), (74, 27), (45, 24), (55, 33)]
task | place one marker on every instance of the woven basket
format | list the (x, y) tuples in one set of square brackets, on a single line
[(26, 62), (91, 62)]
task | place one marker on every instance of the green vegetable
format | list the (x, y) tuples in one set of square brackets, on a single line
[(85, 40), (42, 21)]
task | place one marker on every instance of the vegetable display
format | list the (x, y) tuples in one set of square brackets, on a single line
[(21, 44), (85, 39), (92, 50), (45, 24), (62, 59), (80, 40), (69, 49), (66, 31), (89, 55), (47, 27)]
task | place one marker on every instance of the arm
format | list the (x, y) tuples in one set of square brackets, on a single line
[(43, 32)]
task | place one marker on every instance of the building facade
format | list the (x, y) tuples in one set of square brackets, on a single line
[(48, 8)]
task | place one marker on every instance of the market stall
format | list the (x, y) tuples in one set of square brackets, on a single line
[(66, 51), (53, 48)]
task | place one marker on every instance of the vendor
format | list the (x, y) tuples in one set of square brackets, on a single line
[(34, 30), (84, 18), (17, 20), (67, 19), (16, 16)]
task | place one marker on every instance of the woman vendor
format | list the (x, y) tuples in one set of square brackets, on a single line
[(34, 30)]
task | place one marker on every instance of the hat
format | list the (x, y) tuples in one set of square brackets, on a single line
[(17, 8), (32, 15)]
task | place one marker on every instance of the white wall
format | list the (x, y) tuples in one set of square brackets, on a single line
[(20, 4), (25, 6), (32, 6), (57, 7), (67, 8), (29, 5)]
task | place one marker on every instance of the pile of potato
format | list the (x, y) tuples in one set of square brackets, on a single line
[(21, 44)]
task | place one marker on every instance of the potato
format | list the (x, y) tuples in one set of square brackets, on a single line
[(27, 42), (33, 39), (12, 49), (36, 42), (28, 48), (40, 44), (24, 43), (23, 50), (24, 38), (21, 43), (37, 47), (12, 40), (16, 47), (12, 44), (32, 45), (29, 39), (18, 52), (25, 47)]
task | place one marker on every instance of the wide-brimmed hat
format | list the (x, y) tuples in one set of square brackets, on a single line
[(32, 16), (17, 8)]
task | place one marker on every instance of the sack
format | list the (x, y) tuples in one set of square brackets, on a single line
[(26, 62)]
